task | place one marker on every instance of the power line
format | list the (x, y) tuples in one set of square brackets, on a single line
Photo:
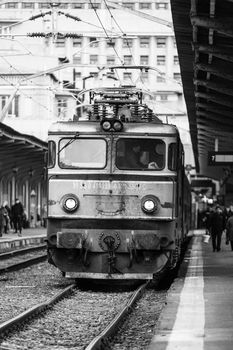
[(30, 97), (93, 7)]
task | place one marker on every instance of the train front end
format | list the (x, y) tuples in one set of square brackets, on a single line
[(111, 216)]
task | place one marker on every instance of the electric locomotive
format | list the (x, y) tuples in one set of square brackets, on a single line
[(118, 198)]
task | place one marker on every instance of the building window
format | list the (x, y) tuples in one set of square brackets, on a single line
[(93, 42), (176, 60), (161, 6), (163, 97), (127, 76), (161, 78), (43, 5), (144, 60), (127, 59), (11, 5), (144, 76), (144, 5), (63, 6), (62, 108), (94, 75), (161, 42), (76, 59), (94, 6), (60, 42), (13, 110), (93, 59), (28, 5), (77, 42), (111, 43), (110, 60), (128, 5), (111, 75), (145, 41), (127, 43), (177, 76), (77, 5), (161, 60), (78, 75)]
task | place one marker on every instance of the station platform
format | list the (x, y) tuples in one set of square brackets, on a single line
[(29, 236), (199, 310)]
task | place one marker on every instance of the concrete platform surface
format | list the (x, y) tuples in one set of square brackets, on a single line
[(199, 310), (29, 236)]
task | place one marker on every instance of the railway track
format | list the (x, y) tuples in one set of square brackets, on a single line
[(21, 258), (7, 326), (102, 340), (12, 253), (69, 323)]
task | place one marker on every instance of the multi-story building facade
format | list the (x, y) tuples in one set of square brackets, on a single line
[(49, 51), (88, 37), (106, 35)]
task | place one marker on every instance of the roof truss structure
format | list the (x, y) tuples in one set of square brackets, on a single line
[(204, 34)]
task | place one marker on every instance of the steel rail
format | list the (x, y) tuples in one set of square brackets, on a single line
[(22, 264), (38, 308), (100, 342), (13, 253)]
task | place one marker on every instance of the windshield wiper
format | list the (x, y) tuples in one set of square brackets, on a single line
[(68, 143)]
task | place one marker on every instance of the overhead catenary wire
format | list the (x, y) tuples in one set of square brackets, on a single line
[(50, 88), (93, 7), (17, 87), (30, 97), (124, 34)]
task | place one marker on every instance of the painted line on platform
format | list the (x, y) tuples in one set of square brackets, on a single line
[(188, 329)]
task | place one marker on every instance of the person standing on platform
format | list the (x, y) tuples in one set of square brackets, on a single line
[(7, 217), (2, 219), (17, 216), (229, 230), (216, 226), (206, 219)]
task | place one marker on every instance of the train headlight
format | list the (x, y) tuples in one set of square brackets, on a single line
[(70, 202), (106, 125), (117, 125), (111, 124), (150, 204)]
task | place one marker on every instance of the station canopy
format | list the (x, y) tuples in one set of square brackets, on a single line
[(204, 36), (21, 154)]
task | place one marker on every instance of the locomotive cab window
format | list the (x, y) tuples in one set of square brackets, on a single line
[(82, 153), (140, 154), (51, 154), (172, 156)]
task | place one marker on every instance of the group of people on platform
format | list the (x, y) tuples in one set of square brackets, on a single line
[(11, 218), (218, 220)]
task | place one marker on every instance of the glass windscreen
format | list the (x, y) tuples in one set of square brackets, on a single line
[(172, 156), (140, 154), (51, 154), (82, 153)]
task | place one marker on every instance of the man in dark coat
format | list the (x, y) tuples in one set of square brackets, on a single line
[(133, 156), (2, 219), (17, 215), (217, 225)]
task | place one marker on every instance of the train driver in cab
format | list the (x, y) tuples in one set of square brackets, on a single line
[(136, 157), (133, 156)]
